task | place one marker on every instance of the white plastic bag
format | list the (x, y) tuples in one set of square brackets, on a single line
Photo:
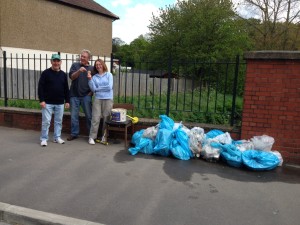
[(245, 145), (223, 138), (195, 140), (150, 132), (209, 153), (279, 157), (263, 142), (177, 125)]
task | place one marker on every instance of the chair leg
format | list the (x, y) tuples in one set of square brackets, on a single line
[(125, 137)]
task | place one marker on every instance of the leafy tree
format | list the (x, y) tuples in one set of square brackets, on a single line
[(116, 44), (196, 35), (133, 53), (197, 29), (139, 48), (124, 54), (276, 25)]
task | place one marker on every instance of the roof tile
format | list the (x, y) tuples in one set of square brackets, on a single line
[(90, 5)]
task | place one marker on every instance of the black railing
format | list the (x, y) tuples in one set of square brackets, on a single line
[(206, 92)]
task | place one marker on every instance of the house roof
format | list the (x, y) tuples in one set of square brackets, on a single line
[(89, 5)]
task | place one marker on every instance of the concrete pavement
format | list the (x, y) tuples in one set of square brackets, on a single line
[(106, 185)]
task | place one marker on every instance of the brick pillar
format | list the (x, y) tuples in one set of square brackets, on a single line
[(272, 100)]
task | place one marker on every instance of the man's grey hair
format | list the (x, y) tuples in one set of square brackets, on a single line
[(87, 51)]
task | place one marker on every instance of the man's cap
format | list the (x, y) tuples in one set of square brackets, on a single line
[(55, 56)]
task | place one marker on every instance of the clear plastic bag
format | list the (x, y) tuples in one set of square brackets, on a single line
[(279, 157), (210, 153), (195, 140), (224, 138), (244, 145), (263, 142), (150, 132)]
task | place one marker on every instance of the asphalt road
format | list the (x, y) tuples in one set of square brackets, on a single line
[(106, 184)]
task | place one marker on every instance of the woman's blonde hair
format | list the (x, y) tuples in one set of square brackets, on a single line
[(103, 65)]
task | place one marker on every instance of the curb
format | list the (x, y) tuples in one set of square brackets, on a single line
[(24, 216)]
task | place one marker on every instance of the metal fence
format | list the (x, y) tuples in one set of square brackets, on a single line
[(205, 92)]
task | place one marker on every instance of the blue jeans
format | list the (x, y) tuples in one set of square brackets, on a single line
[(58, 111), (86, 104)]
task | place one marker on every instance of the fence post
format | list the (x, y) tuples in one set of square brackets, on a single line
[(111, 62), (5, 78), (236, 73), (169, 85)]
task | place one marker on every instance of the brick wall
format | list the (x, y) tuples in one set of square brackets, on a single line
[(272, 100), (31, 120)]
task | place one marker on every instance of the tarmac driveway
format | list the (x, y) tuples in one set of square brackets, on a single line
[(106, 184)]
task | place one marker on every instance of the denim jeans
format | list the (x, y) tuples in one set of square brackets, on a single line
[(58, 111), (86, 104)]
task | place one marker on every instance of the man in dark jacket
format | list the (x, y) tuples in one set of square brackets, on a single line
[(80, 93), (53, 92)]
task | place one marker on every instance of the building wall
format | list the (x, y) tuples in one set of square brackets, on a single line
[(272, 100), (45, 25)]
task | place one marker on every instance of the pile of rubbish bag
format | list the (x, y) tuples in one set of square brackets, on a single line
[(174, 139)]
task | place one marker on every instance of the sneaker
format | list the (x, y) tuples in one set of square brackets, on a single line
[(59, 141), (71, 138), (91, 141), (44, 143)]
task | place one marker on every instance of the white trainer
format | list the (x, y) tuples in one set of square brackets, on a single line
[(59, 141), (91, 141), (44, 143)]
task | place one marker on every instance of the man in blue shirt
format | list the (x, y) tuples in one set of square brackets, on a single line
[(53, 92), (80, 93)]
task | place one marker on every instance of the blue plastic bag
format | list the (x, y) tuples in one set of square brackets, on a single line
[(182, 138), (166, 122), (148, 149), (145, 145), (230, 154), (260, 160), (137, 136), (162, 142), (180, 147), (213, 133), (178, 151)]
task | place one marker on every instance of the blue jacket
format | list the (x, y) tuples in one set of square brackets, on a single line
[(102, 85)]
